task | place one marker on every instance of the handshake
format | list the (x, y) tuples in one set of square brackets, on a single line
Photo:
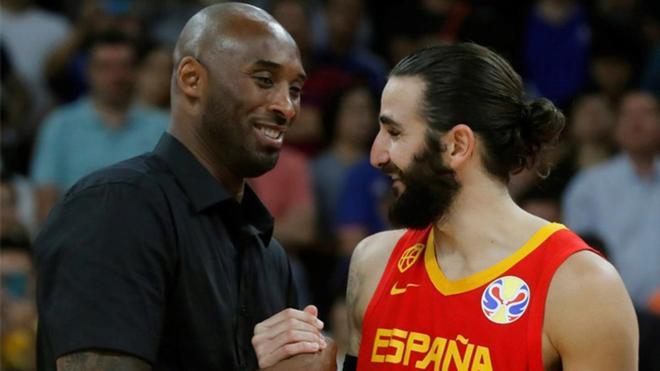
[(292, 340)]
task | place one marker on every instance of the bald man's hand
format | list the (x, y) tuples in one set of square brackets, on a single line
[(286, 334), (325, 360)]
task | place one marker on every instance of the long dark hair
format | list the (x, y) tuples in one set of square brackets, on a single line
[(470, 84)]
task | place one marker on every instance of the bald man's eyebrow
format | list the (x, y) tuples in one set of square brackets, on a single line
[(273, 66), (386, 120), (268, 64)]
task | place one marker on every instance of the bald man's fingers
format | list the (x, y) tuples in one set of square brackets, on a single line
[(291, 313)]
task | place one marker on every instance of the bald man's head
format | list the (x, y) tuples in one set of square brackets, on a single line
[(236, 86), (218, 27)]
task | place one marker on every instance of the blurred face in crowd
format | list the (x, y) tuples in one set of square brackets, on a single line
[(611, 74), (18, 310), (356, 117), (593, 120), (8, 212), (255, 81), (638, 126), (291, 15), (424, 187), (112, 73), (343, 20)]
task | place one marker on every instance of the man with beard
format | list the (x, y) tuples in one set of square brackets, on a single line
[(166, 260), (474, 282)]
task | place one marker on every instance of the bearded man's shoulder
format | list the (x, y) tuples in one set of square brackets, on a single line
[(375, 249)]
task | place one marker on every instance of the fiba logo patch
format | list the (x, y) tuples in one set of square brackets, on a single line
[(409, 257), (505, 299)]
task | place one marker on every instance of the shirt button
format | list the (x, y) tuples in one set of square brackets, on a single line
[(243, 310)]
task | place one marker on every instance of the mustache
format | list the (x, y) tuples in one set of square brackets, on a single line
[(275, 118), (391, 169)]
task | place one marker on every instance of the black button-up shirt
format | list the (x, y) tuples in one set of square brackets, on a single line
[(152, 257)]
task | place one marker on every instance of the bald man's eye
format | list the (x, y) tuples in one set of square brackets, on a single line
[(295, 92), (264, 82)]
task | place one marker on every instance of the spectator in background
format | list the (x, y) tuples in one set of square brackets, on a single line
[(9, 220), (293, 15), (16, 145), (619, 45), (619, 199), (167, 18), (337, 63), (350, 121), (590, 131), (15, 105), (362, 208), (67, 64), (307, 134), (18, 313), (618, 26), (611, 74), (96, 130), (651, 76), (17, 204), (341, 52), (29, 34), (364, 197), (556, 50), (153, 77), (287, 193)]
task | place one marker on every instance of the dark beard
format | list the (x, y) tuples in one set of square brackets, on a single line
[(430, 188), (231, 142)]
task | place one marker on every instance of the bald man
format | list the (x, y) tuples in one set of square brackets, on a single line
[(166, 261)]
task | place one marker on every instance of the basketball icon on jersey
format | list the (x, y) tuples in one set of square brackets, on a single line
[(409, 257), (505, 299)]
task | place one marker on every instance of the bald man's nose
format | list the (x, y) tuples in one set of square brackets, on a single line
[(284, 104)]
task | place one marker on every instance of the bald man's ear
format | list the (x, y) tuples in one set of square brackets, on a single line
[(460, 142), (191, 77)]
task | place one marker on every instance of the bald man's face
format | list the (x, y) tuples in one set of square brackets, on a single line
[(255, 82)]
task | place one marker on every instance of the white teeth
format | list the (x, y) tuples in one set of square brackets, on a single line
[(271, 133)]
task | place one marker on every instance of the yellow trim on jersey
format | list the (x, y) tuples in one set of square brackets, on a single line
[(448, 287)]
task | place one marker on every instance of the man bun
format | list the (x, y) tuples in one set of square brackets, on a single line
[(541, 124)]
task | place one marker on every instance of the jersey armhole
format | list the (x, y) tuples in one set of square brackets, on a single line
[(535, 328)]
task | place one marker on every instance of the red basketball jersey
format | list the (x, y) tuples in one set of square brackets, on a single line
[(491, 320)]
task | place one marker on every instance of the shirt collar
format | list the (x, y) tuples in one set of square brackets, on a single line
[(627, 163), (204, 191)]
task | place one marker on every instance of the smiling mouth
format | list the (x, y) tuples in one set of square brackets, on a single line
[(271, 132)]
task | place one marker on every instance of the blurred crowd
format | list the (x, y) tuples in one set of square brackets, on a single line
[(86, 84)]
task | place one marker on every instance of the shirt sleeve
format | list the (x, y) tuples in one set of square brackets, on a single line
[(47, 162), (105, 259)]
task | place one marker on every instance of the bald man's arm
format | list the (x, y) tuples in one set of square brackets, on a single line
[(100, 360)]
